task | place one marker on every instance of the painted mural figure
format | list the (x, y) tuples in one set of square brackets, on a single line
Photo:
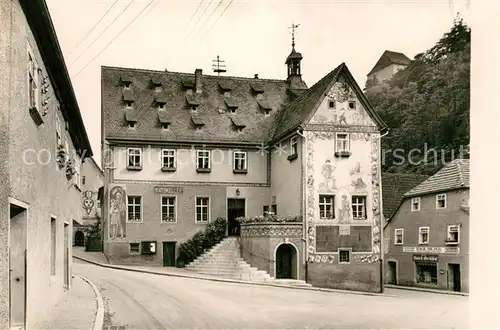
[(117, 213), (88, 202), (327, 172), (342, 120), (345, 210)]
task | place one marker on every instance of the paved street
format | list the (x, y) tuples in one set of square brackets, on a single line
[(145, 301)]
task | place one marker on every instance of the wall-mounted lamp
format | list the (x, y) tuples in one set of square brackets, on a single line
[(237, 192)]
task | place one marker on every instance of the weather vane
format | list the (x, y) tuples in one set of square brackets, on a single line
[(293, 27)]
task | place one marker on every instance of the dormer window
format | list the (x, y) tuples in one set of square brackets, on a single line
[(165, 126), (131, 125), (125, 80), (238, 123), (128, 97), (128, 104), (197, 121), (257, 88), (131, 119), (192, 101), (264, 106), (164, 119), (127, 84), (267, 112), (233, 110), (188, 84), (161, 106)]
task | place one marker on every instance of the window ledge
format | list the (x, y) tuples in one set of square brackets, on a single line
[(359, 219), (399, 244), (292, 157), (35, 114), (450, 243), (168, 169), (134, 168), (423, 243), (203, 170), (240, 171), (342, 154)]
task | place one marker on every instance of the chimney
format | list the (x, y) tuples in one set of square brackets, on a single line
[(197, 81), (256, 76)]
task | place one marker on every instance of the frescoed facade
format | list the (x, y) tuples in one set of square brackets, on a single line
[(44, 143), (189, 148)]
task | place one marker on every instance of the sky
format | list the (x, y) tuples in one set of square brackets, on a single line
[(252, 37)]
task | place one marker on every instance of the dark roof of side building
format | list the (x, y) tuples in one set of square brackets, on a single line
[(388, 58), (40, 22), (394, 186), (454, 175)]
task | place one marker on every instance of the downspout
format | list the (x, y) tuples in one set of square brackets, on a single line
[(382, 218), (304, 217)]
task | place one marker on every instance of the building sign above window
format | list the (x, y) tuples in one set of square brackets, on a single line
[(428, 249), (345, 230), (168, 190), (423, 257)]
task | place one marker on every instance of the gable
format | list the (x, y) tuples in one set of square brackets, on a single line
[(341, 106)]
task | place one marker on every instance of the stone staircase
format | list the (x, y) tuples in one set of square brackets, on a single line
[(224, 260)]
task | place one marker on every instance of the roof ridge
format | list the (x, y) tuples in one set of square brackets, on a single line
[(189, 74)]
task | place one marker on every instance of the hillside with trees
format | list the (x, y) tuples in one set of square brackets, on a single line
[(427, 105)]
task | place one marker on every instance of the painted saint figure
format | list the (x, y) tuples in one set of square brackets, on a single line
[(345, 210), (117, 213), (327, 172)]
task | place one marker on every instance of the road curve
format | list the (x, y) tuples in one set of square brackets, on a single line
[(146, 301)]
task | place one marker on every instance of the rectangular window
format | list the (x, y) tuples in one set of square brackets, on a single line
[(33, 82), (453, 234), (202, 209), (398, 236), (274, 209), (77, 173), (331, 104), (239, 160), (134, 157), (148, 247), (359, 207), (293, 146), (441, 201), (265, 209), (415, 204), (352, 105), (342, 142), (426, 272), (134, 208), (168, 158), (134, 247), (53, 245), (344, 256), (203, 157), (58, 131), (423, 235), (168, 209), (326, 207)]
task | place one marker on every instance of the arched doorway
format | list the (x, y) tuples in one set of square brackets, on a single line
[(286, 262), (79, 238)]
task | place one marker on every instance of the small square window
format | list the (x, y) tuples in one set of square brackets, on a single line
[(441, 201), (129, 104), (423, 235), (352, 105), (148, 247), (331, 104), (415, 204), (344, 256), (398, 236), (161, 106), (233, 110), (134, 247), (267, 112), (131, 125), (164, 126), (127, 84)]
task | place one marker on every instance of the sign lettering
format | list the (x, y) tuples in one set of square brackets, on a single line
[(428, 249), (168, 190), (423, 257)]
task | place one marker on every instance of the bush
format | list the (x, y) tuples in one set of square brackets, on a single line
[(202, 241), (94, 238)]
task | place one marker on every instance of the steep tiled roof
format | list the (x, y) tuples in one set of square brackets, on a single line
[(388, 58), (454, 175), (394, 186), (303, 107), (213, 109)]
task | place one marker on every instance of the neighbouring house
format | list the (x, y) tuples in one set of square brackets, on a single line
[(394, 186), (429, 232), (388, 64), (44, 142), (181, 150), (92, 180)]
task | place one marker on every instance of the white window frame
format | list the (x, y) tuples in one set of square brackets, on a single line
[(420, 232), (448, 231), (363, 207), (198, 157), (349, 250), (438, 199), (165, 154), (162, 205), (32, 73), (294, 150), (240, 156), (402, 231), (413, 201), (196, 207), (141, 209), (325, 204), (347, 142), (129, 155)]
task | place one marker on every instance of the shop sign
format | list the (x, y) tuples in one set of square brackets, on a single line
[(424, 257), (168, 190), (428, 249)]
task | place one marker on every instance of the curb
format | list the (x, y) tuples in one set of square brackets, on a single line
[(213, 279), (99, 316), (409, 288)]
